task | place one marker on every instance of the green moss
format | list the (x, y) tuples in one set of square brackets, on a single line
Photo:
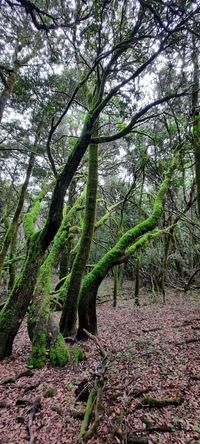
[(31, 216), (64, 288), (59, 354), (40, 307), (38, 353)]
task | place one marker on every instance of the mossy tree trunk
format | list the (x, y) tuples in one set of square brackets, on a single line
[(16, 306), (118, 254), (12, 265), (65, 258), (39, 313), (19, 299), (70, 308)]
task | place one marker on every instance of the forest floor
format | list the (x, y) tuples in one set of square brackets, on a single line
[(152, 352)]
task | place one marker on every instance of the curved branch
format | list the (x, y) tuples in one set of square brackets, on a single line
[(135, 118)]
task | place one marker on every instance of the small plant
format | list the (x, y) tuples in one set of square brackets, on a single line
[(50, 392), (78, 355)]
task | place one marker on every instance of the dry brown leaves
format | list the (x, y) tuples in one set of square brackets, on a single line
[(150, 349)]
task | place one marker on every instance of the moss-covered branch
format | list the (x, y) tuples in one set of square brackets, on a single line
[(159, 403), (31, 216), (87, 414)]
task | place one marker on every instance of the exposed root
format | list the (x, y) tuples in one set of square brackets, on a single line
[(11, 379), (34, 409)]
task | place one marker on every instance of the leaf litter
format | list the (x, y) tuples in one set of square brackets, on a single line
[(153, 354)]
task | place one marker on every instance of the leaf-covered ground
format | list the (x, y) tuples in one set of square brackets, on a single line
[(153, 351)]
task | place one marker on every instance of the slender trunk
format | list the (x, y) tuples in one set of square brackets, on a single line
[(196, 119), (137, 281), (65, 259), (12, 265), (13, 226), (167, 240), (70, 308), (116, 284)]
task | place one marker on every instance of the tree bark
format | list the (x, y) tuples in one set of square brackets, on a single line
[(39, 312), (70, 308), (196, 118)]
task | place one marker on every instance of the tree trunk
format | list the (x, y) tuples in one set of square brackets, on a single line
[(196, 118), (16, 306), (116, 284), (65, 259), (137, 281), (12, 265), (12, 229), (39, 312), (70, 308)]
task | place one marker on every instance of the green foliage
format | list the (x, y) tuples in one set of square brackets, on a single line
[(78, 355)]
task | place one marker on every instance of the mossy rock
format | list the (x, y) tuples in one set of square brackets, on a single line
[(59, 353)]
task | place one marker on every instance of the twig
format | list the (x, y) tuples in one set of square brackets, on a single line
[(95, 395), (88, 412), (34, 409), (96, 340)]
